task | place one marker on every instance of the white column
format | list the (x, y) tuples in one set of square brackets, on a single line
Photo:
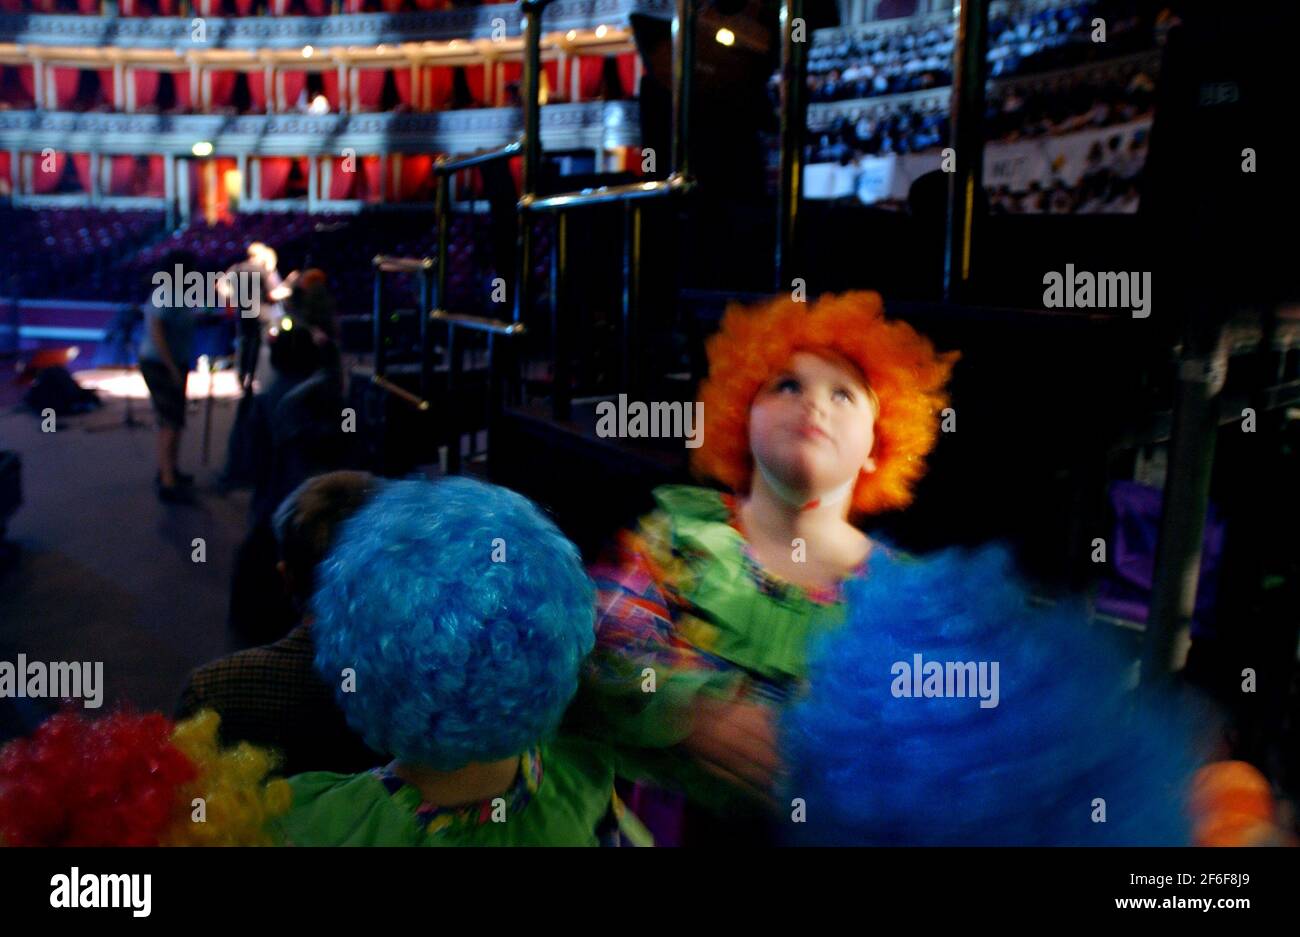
[(130, 90), (19, 163), (241, 165), (38, 82), (119, 86), (326, 176), (344, 102), (268, 87), (255, 182), (183, 189), (169, 187), (415, 87), (94, 179), (313, 180), (575, 74), (353, 93), (205, 85), (196, 88)]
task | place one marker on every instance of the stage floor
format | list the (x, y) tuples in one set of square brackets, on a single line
[(106, 570)]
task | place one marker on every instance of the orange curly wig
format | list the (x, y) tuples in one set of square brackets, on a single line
[(906, 374)]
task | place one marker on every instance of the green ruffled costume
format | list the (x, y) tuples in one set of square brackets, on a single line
[(563, 796), (685, 599)]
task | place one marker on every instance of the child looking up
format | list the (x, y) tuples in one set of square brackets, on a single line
[(815, 416)]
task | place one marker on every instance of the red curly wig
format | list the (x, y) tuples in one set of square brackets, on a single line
[(906, 374), (129, 779)]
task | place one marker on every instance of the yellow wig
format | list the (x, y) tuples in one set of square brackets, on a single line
[(906, 374)]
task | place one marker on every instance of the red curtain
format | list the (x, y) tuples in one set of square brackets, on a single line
[(294, 83), (155, 183), (343, 184), (88, 7), (146, 87), (514, 71), (438, 81), (417, 183), (370, 88), (65, 84), (27, 80), (257, 89), (121, 173), (627, 73), (354, 6), (6, 173), (474, 75), (393, 6), (11, 6), (591, 69), (106, 85), (373, 182), (42, 181), (402, 79), (589, 72), (166, 7), (517, 170), (330, 79), (181, 83), (244, 7), (223, 86), (275, 175), (317, 7), (81, 163)]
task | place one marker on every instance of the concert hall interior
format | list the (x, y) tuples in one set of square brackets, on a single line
[(673, 422)]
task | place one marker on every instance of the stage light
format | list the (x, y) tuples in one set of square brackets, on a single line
[(286, 324), (319, 105), (307, 52), (201, 149), (726, 37), (571, 35), (601, 30)]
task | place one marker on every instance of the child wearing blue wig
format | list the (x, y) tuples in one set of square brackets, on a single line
[(453, 618), (948, 711)]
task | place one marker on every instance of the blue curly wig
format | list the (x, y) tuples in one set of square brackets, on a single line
[(878, 769), (465, 614)]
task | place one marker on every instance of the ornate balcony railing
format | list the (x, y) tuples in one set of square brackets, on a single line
[(593, 125), (361, 29)]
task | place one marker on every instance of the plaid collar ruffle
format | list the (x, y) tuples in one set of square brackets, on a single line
[(438, 820)]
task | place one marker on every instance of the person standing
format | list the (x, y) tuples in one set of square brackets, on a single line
[(164, 356)]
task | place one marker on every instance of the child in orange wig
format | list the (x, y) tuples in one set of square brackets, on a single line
[(815, 416)]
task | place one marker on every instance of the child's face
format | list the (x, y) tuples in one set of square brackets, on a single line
[(812, 424)]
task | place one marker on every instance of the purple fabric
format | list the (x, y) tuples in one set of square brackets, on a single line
[(661, 811), (1127, 592)]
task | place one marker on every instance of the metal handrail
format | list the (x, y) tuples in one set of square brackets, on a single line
[(399, 392), (449, 164), (390, 264), (477, 323), (605, 194)]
